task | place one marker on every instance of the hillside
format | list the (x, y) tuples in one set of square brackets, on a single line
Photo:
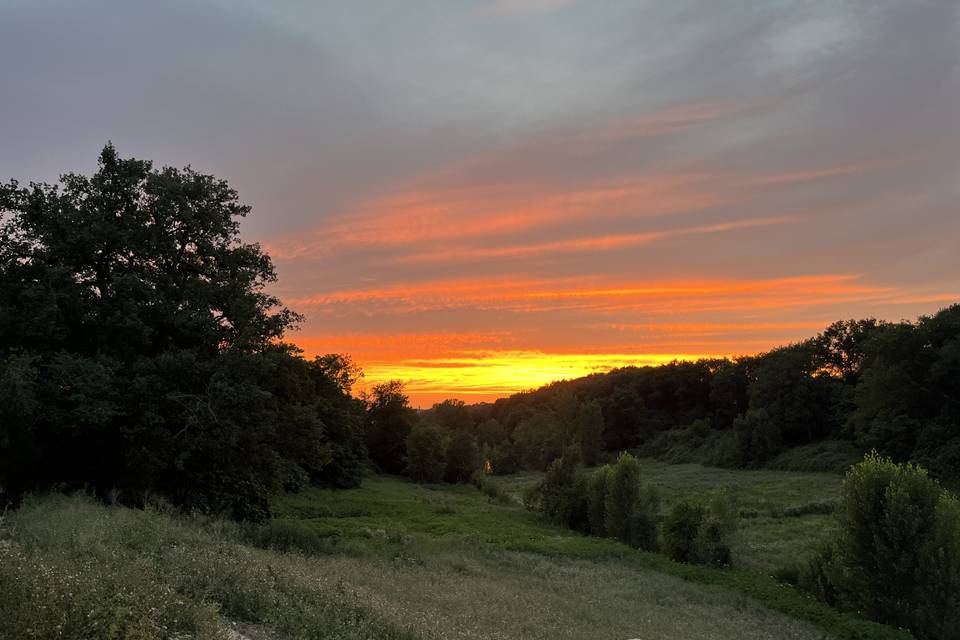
[(394, 560)]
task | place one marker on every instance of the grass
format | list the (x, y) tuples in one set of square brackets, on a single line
[(71, 569), (783, 514), (832, 456), (388, 560), (417, 524)]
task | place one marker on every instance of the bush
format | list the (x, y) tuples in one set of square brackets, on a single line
[(492, 490), (630, 508), (562, 494), (897, 556), (681, 530), (700, 534), (597, 485)]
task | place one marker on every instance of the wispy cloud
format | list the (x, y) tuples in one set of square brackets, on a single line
[(510, 7)]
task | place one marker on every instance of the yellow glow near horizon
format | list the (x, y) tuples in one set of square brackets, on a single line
[(478, 376)]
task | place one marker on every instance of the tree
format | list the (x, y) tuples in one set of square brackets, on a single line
[(491, 432), (562, 494), (907, 403), (896, 557), (590, 428), (463, 457), (729, 391), (140, 351), (597, 486), (799, 401), (426, 453), (841, 349), (452, 415), (757, 437), (388, 423), (538, 440), (630, 508)]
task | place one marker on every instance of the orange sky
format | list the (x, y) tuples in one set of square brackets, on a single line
[(481, 197)]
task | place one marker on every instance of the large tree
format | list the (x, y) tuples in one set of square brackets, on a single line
[(140, 349)]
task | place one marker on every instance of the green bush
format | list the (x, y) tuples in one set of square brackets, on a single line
[(562, 494), (700, 534), (897, 556), (492, 490), (631, 508), (681, 529), (597, 485)]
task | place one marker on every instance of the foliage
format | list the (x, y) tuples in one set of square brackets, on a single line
[(856, 385), (76, 570), (463, 457), (757, 437), (426, 453), (630, 508), (589, 434), (598, 484), (561, 496), (388, 518), (504, 459), (700, 533), (897, 556), (140, 352), (389, 420)]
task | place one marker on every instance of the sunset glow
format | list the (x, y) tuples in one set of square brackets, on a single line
[(483, 197)]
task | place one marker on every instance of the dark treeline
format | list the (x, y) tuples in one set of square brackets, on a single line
[(140, 353), (858, 385)]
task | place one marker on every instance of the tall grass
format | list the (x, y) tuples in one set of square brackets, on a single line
[(72, 569)]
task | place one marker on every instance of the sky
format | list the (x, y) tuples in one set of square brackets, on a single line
[(481, 196)]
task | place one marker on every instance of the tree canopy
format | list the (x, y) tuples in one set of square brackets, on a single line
[(141, 352)]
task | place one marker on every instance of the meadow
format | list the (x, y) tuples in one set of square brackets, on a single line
[(782, 514), (392, 559)]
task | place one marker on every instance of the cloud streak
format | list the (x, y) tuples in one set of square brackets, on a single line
[(478, 197)]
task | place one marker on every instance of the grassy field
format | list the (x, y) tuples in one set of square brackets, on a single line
[(783, 513), (388, 560)]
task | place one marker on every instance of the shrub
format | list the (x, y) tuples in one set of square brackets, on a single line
[(700, 534), (897, 556), (630, 508), (563, 494), (492, 490), (681, 529), (597, 485)]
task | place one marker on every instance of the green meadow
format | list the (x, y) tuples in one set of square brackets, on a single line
[(392, 559), (782, 513)]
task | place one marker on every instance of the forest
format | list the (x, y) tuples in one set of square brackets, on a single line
[(144, 359)]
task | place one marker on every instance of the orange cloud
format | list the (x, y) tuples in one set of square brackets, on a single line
[(519, 294), (596, 243), (439, 214)]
